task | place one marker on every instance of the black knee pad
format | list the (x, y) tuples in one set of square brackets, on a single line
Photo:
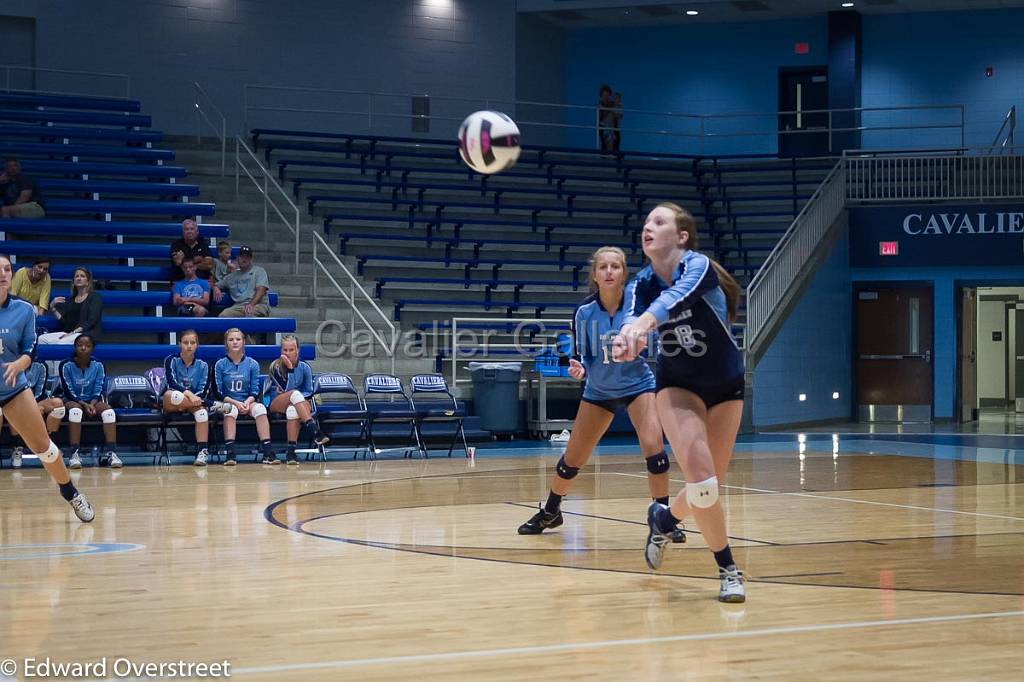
[(658, 464), (565, 471)]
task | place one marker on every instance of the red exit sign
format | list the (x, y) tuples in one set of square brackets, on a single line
[(888, 248)]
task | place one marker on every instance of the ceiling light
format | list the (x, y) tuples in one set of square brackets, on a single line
[(692, 12), (847, 4)]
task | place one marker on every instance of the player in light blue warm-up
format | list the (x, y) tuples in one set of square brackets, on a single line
[(607, 387), (237, 377), (17, 341), (290, 386)]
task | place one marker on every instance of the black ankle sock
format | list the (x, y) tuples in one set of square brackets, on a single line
[(229, 449), (67, 490), (111, 446), (553, 504), (662, 500), (723, 558), (268, 448), (291, 447)]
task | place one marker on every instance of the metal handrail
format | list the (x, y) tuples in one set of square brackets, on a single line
[(968, 175), (518, 321), (697, 126), (785, 262), (9, 67), (350, 297), (1009, 120), (222, 134), (268, 181)]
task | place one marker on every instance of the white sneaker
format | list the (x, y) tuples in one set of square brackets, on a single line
[(732, 590), (83, 510), (562, 437), (201, 458), (16, 457), (76, 460), (115, 461)]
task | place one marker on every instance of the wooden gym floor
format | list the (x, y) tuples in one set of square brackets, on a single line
[(900, 557)]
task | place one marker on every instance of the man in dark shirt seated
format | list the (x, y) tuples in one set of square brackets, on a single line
[(190, 247), (19, 192)]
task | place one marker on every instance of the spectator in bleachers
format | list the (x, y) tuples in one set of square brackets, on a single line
[(33, 284), (248, 286), (52, 409), (20, 194), (223, 265), (82, 314), (237, 378), (609, 114), (190, 247), (82, 379), (188, 390), (290, 386), (191, 295)]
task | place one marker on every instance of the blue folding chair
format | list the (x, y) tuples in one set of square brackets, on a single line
[(440, 407), (338, 409), (388, 403)]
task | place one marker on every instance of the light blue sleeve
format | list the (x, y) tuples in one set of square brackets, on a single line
[(698, 278), (254, 379)]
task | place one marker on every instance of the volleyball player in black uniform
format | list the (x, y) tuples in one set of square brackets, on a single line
[(690, 300)]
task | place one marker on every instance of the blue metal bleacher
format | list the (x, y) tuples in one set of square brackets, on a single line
[(106, 228), (68, 133), (156, 352), (124, 207), (105, 169), (96, 187), (93, 102), (86, 150)]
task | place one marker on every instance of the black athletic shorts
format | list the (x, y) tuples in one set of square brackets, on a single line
[(711, 394), (612, 404)]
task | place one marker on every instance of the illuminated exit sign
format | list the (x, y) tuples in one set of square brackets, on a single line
[(888, 248)]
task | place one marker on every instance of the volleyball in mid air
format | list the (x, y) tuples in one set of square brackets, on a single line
[(489, 141)]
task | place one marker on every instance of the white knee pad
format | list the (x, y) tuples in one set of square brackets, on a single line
[(58, 412), (703, 494), (75, 415), (108, 416), (257, 410), (177, 397), (296, 398), (291, 412), (233, 412), (52, 454), (201, 415)]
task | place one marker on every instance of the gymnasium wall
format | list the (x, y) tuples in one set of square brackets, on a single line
[(441, 47), (908, 60), (811, 354)]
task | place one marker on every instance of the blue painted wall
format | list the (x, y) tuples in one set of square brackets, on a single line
[(939, 58), (700, 69), (454, 47), (907, 60), (812, 352)]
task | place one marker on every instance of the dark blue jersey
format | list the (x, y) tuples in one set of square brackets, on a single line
[(17, 338), (298, 379), (237, 381), (182, 377), (82, 385), (593, 328), (693, 320)]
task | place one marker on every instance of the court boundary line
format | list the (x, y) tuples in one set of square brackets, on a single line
[(604, 644), (817, 496)]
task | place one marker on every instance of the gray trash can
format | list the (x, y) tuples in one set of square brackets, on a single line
[(496, 395)]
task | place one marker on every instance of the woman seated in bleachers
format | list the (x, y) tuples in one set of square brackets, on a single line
[(82, 313), (237, 377), (188, 390), (290, 386), (82, 379), (50, 407)]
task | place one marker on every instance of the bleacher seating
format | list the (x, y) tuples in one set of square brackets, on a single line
[(113, 203)]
